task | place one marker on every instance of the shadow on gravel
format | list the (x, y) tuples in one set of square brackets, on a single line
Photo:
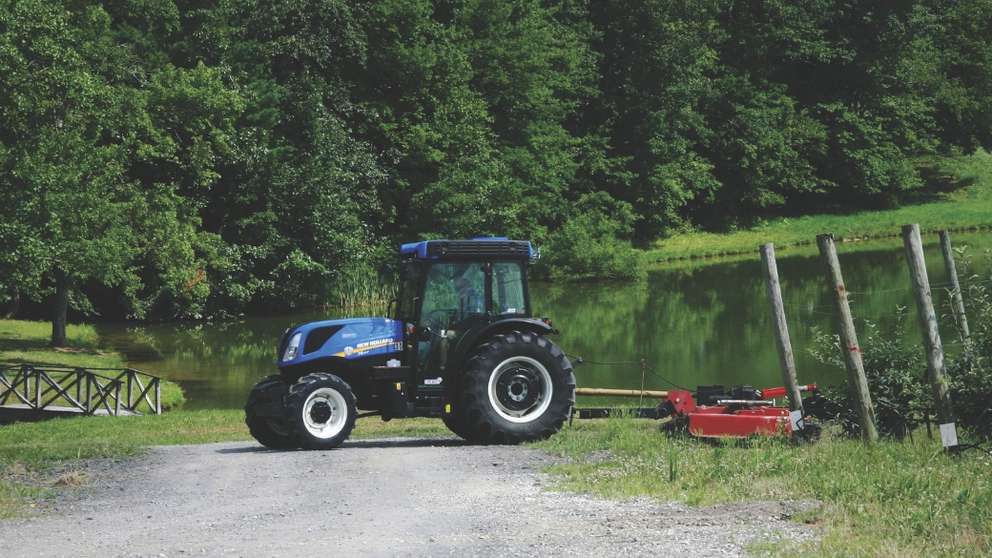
[(405, 443), (252, 449), (362, 444)]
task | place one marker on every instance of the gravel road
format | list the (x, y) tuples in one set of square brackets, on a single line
[(370, 498)]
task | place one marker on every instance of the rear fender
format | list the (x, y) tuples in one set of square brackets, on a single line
[(464, 348)]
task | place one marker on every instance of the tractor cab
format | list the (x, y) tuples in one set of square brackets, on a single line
[(451, 292)]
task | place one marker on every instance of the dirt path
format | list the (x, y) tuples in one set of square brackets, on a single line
[(382, 498)]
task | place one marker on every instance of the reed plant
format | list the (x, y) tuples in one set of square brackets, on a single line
[(362, 292)]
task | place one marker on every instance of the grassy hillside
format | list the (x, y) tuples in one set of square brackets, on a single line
[(968, 208), (24, 341)]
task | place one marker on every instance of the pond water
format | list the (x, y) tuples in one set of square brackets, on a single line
[(693, 323)]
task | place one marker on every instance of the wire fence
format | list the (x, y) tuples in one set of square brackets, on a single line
[(641, 362), (942, 294)]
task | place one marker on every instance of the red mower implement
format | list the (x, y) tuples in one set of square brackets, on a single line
[(713, 412)]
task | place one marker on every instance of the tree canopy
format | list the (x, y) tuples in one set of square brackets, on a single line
[(176, 159)]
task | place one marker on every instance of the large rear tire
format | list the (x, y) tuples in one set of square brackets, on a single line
[(322, 410), (456, 423), (517, 387), (273, 432)]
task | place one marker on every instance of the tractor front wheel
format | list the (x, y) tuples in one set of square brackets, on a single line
[(322, 409), (271, 429), (517, 387)]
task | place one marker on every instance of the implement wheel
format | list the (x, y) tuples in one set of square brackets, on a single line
[(517, 387), (270, 429), (322, 409)]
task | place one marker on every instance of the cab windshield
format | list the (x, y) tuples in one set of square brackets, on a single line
[(453, 293)]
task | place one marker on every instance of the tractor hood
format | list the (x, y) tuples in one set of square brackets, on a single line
[(350, 339)]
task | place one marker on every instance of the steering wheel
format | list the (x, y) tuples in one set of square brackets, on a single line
[(440, 318)]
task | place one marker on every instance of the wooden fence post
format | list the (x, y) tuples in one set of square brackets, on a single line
[(957, 302), (931, 333), (848, 339), (130, 378), (158, 396), (785, 356), (89, 394), (37, 389)]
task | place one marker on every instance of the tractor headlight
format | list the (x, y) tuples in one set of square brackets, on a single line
[(293, 348)]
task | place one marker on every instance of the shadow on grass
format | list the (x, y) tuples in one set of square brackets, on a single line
[(25, 345)]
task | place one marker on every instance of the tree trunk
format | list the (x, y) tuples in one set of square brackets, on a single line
[(14, 306), (60, 308)]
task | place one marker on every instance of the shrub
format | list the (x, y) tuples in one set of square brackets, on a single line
[(896, 379), (897, 372), (970, 372)]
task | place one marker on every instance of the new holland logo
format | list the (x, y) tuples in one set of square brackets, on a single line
[(367, 346)]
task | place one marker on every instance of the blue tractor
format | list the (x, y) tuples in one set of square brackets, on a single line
[(461, 345)]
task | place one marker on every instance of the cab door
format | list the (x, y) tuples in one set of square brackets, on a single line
[(454, 303)]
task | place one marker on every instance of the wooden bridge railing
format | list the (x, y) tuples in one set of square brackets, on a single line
[(88, 390)]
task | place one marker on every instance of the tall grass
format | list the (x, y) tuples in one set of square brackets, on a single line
[(896, 499), (363, 293)]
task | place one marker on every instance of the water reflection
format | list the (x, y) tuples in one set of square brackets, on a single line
[(693, 324)]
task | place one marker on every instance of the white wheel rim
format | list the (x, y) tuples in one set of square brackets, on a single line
[(322, 401), (506, 386)]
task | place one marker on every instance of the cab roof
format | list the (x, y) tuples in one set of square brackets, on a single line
[(486, 247)]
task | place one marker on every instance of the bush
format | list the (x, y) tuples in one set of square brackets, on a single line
[(971, 372), (593, 243), (896, 380), (897, 372)]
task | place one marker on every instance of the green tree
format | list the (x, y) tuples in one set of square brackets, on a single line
[(70, 129), (594, 243), (68, 209), (295, 197)]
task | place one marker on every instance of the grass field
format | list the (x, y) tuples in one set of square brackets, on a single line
[(968, 208), (897, 499), (27, 341)]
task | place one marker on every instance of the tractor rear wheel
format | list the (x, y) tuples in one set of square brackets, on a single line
[(517, 387), (322, 409), (271, 431), (456, 423)]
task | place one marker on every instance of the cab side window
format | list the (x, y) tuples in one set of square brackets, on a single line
[(508, 288)]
